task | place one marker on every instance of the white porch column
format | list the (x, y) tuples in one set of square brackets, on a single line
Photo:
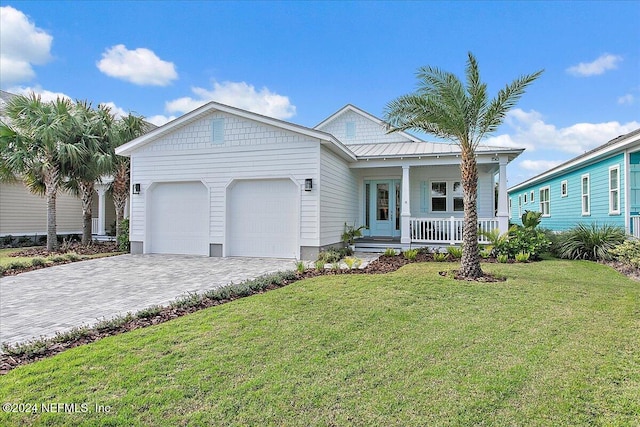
[(405, 212), (503, 209), (102, 190)]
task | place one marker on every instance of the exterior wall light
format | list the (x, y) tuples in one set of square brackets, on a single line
[(136, 189), (308, 184)]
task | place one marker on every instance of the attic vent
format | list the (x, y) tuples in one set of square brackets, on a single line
[(217, 131), (350, 131)]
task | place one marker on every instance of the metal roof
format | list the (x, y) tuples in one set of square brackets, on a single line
[(412, 149)]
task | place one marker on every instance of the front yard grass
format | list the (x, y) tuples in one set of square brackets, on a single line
[(7, 261), (556, 344)]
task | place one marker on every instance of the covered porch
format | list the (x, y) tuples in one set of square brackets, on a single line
[(417, 200)]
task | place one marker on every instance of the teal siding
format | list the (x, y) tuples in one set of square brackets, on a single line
[(566, 212)]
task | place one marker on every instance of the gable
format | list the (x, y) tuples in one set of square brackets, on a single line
[(219, 130), (354, 127)]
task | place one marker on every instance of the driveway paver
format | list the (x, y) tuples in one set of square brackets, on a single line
[(43, 302)]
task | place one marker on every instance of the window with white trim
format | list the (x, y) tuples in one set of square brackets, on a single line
[(458, 197), (439, 196), (564, 188), (217, 131), (532, 200), (586, 194), (525, 198), (545, 201), (350, 130), (442, 196), (519, 206), (614, 190)]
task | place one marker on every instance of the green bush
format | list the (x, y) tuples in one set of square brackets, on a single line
[(410, 254), (438, 257), (17, 265), (454, 251), (72, 256), (58, 258), (320, 265), (628, 253), (333, 256), (591, 242), (123, 239), (523, 256), (352, 262), (502, 258), (390, 252), (38, 262), (149, 312), (300, 266)]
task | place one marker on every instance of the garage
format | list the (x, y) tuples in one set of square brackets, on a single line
[(262, 218), (178, 218)]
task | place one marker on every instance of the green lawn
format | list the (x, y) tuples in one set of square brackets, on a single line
[(556, 344)]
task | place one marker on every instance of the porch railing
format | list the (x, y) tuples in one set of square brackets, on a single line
[(94, 226), (635, 226), (446, 230)]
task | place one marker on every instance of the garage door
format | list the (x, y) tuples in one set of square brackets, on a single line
[(179, 219), (262, 219)]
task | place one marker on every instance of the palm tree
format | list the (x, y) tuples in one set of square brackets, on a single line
[(35, 145), (124, 130), (447, 108), (92, 130)]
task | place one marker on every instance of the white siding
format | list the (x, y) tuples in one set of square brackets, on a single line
[(366, 130), (338, 197), (250, 150)]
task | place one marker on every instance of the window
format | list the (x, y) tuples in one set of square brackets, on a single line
[(564, 189), (458, 202), (614, 190), (586, 202), (519, 206), (525, 198), (438, 196), (217, 131), (531, 197), (350, 130), (545, 202)]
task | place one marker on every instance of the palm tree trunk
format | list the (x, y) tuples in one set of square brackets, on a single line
[(87, 191), (120, 192), (51, 191), (470, 265)]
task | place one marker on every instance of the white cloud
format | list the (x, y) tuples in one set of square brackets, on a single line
[(115, 110), (140, 66), (23, 45), (45, 95), (539, 165), (603, 63), (236, 94), (159, 119), (531, 132), (626, 99)]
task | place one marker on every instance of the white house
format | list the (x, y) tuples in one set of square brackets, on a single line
[(221, 181)]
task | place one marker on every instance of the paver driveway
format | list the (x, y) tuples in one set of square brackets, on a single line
[(58, 298)]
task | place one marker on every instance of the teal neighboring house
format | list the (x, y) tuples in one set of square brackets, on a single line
[(600, 186)]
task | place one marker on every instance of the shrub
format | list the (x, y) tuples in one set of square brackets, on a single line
[(502, 258), (58, 258), (592, 242), (320, 265), (123, 239), (486, 252), (438, 257), (454, 251), (300, 266), (113, 324), (38, 262), (17, 265), (523, 256), (332, 256), (628, 253), (410, 254), (390, 252), (352, 262), (192, 299), (71, 256), (148, 312)]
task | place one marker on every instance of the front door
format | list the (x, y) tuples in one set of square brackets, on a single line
[(384, 208)]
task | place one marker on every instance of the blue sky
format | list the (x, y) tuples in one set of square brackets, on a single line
[(302, 61)]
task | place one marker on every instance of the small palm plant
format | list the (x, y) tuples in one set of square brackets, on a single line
[(593, 242)]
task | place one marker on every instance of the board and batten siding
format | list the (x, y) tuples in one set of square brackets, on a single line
[(566, 212), (249, 150), (338, 197), (365, 131), (23, 213)]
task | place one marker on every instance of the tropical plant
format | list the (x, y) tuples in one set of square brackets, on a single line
[(123, 238), (502, 258), (445, 107), (36, 145), (410, 254), (593, 242), (92, 130), (628, 252), (300, 266), (351, 232), (522, 256), (438, 257), (124, 130), (389, 252), (352, 262), (531, 219), (455, 251)]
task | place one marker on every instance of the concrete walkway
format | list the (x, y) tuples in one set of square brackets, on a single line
[(42, 302)]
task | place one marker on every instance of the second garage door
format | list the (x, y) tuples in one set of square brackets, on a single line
[(262, 218)]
